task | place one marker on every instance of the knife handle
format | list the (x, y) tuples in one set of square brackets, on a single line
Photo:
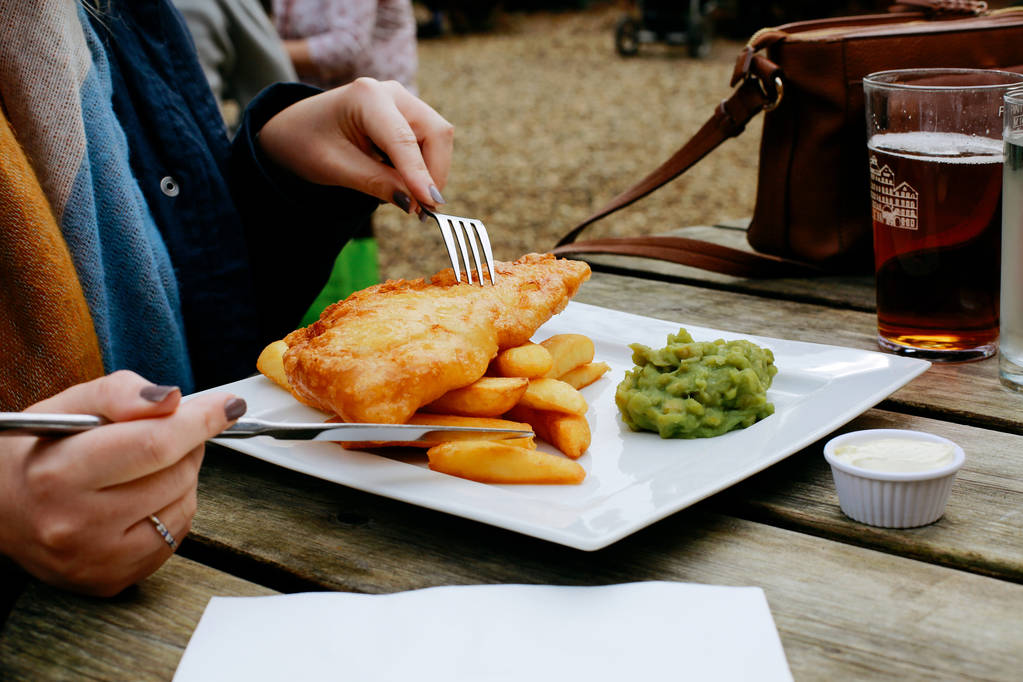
[(247, 428), (244, 428), (41, 423)]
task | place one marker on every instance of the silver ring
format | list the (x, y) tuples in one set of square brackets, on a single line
[(164, 533)]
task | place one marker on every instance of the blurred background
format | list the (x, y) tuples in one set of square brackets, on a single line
[(553, 119)]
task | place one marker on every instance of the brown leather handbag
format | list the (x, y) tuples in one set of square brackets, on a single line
[(812, 212)]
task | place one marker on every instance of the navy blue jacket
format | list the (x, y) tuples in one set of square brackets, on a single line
[(251, 244)]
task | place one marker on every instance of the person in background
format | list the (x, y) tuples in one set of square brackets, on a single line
[(333, 42), (144, 255), (239, 50)]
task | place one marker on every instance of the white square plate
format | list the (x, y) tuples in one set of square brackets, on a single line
[(633, 479)]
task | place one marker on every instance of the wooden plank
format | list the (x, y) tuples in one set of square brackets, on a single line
[(846, 291), (844, 612), (139, 635), (967, 393), (980, 531)]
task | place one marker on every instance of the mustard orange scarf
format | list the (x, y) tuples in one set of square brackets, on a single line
[(47, 339)]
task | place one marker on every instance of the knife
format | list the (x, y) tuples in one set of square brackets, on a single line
[(41, 424)]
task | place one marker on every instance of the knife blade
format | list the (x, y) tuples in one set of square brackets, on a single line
[(43, 424)]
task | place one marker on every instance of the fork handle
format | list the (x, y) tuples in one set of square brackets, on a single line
[(40, 423)]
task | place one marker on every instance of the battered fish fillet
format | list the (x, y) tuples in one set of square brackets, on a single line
[(385, 351)]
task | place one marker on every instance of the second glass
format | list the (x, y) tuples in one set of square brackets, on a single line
[(935, 154), (1010, 351)]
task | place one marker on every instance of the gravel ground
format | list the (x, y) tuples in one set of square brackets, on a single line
[(551, 123)]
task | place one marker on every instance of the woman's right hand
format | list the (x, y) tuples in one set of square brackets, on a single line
[(74, 511), (374, 137)]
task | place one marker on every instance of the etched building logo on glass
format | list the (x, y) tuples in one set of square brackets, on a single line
[(893, 205)]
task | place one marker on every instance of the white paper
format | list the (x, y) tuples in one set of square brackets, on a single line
[(491, 633)]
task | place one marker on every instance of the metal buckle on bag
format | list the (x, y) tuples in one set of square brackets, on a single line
[(779, 93), (750, 67)]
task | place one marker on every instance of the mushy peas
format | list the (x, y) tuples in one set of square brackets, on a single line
[(696, 389)]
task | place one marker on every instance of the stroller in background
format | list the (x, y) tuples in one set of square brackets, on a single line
[(667, 21)]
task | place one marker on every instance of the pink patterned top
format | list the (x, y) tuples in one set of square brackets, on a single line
[(352, 38)]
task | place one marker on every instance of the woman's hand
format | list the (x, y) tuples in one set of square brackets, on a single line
[(375, 137), (74, 511)]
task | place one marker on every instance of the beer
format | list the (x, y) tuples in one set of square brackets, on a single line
[(1010, 359), (936, 200)]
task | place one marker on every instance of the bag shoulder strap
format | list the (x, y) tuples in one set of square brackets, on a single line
[(698, 254), (729, 120), (761, 89)]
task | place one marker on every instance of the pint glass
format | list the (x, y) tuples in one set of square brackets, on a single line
[(934, 141), (1010, 354)]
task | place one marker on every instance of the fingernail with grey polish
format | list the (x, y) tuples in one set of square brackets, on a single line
[(234, 408), (423, 217), (156, 394), (437, 196), (401, 200)]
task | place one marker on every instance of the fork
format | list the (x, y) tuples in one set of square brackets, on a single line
[(466, 231)]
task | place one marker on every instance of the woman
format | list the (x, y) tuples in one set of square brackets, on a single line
[(135, 236)]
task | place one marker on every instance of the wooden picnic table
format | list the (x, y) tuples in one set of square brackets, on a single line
[(850, 601)]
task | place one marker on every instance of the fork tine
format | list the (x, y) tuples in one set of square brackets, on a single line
[(473, 233), (481, 231), (454, 228), (449, 242), (461, 235)]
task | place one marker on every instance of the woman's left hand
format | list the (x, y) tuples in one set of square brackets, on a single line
[(371, 136)]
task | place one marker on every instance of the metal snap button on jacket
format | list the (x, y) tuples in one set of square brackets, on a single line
[(169, 186)]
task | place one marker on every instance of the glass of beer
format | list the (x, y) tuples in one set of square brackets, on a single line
[(934, 142), (1010, 352)]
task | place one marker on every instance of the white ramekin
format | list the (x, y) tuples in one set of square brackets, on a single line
[(889, 499)]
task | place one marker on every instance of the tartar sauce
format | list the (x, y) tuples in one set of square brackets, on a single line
[(896, 454)]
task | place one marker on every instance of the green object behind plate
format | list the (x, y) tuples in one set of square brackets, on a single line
[(355, 268)]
